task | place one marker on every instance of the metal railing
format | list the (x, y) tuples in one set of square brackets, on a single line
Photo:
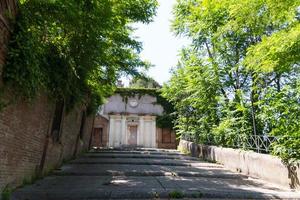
[(257, 143)]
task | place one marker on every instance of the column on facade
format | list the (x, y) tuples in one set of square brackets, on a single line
[(154, 132), (140, 134), (123, 139), (111, 130)]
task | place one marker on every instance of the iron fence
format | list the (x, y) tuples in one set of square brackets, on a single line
[(257, 143)]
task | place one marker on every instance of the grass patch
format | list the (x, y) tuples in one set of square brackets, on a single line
[(197, 195), (31, 180), (184, 151), (176, 194), (6, 193)]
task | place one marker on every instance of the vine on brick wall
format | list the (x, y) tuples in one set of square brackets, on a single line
[(74, 50)]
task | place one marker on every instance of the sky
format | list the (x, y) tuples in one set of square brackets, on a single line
[(160, 46)]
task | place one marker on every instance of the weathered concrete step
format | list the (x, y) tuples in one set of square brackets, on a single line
[(98, 187), (133, 161), (205, 170), (146, 194), (139, 153), (148, 156), (138, 149), (141, 161), (166, 152), (147, 173), (129, 162)]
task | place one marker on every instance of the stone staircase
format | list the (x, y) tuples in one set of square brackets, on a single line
[(146, 174)]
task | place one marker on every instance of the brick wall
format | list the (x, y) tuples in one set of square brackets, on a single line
[(166, 138), (100, 124), (23, 128), (24, 139), (26, 145)]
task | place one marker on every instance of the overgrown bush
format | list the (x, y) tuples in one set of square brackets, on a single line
[(74, 50)]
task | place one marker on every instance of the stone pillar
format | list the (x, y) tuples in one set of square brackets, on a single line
[(124, 139), (140, 135), (111, 130), (154, 144)]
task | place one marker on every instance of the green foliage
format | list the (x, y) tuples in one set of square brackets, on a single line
[(176, 194), (281, 114), (132, 92), (235, 121), (279, 52), (196, 116), (240, 75), (6, 193), (144, 82), (75, 50)]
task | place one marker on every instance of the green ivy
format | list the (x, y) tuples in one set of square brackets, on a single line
[(74, 50), (239, 76)]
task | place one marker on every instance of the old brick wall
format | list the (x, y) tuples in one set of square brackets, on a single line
[(26, 145), (100, 123), (166, 138), (24, 139), (70, 144), (23, 129)]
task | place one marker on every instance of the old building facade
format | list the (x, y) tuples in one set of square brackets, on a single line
[(131, 121)]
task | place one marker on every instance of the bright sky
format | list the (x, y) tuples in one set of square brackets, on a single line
[(160, 45)]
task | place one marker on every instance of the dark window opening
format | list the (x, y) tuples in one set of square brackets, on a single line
[(56, 124), (83, 119)]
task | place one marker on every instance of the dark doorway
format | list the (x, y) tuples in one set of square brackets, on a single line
[(166, 135), (132, 135), (98, 137)]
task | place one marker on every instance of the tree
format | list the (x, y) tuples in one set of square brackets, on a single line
[(144, 82), (251, 49), (192, 90), (75, 50)]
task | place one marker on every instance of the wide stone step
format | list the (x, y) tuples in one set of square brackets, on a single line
[(147, 173), (136, 152), (118, 187), (145, 170), (124, 149), (144, 156), (133, 161), (203, 170)]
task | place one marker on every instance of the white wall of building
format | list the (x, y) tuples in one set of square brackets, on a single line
[(146, 104), (119, 128)]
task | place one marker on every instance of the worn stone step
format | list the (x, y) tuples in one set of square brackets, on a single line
[(136, 152), (124, 149), (147, 173), (118, 187), (133, 161), (144, 170), (148, 156), (146, 194)]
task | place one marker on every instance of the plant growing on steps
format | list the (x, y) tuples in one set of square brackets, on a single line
[(6, 193), (176, 194)]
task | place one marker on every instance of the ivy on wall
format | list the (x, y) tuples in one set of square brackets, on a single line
[(74, 50)]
